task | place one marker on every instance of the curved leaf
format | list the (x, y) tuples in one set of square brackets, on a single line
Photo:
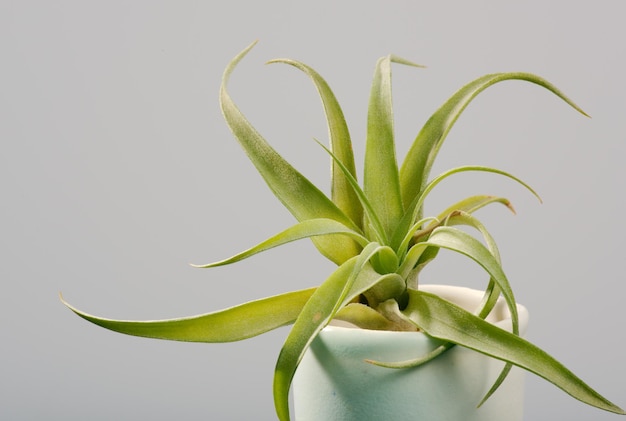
[(461, 242), (364, 317), (297, 193), (415, 362), (446, 321), (465, 168), (412, 232), (232, 324), (304, 229), (370, 212), (473, 203), (492, 292), (411, 258), (340, 143), (414, 209), (419, 160), (468, 205), (330, 297)]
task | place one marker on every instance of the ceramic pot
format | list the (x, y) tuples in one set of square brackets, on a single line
[(334, 383)]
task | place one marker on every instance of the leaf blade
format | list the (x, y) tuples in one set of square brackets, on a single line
[(228, 325), (420, 157), (296, 192), (461, 242), (446, 321), (305, 229), (331, 296), (376, 229), (473, 203), (381, 181), (340, 144), (414, 209)]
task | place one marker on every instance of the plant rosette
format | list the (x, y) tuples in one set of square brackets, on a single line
[(380, 239)]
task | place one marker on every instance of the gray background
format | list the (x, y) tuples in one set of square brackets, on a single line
[(117, 170)]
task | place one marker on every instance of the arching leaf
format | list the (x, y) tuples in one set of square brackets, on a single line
[(232, 324), (446, 321), (356, 274), (305, 229), (340, 144), (296, 192), (416, 167)]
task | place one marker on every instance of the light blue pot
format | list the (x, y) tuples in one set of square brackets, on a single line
[(333, 383)]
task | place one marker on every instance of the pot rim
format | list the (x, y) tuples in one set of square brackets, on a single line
[(467, 298)]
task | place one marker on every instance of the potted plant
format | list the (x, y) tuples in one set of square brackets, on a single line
[(380, 239)]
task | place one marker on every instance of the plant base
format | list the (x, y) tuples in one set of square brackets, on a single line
[(334, 383)]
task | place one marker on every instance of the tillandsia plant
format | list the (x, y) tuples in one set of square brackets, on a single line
[(380, 239)]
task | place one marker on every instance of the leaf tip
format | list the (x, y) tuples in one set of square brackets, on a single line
[(580, 110), (206, 265), (279, 60), (400, 60), (509, 205)]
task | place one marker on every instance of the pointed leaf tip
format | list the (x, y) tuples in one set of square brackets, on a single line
[(399, 60), (297, 193)]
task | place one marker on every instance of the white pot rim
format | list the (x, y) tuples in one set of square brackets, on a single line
[(467, 298), (333, 381)]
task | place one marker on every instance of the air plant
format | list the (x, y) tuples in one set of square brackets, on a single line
[(380, 239)]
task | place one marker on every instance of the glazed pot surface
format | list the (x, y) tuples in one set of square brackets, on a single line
[(333, 382)]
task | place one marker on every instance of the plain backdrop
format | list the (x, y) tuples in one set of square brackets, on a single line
[(117, 171)]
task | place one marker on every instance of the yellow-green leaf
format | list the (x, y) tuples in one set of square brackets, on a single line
[(352, 278), (232, 324), (446, 321), (296, 192), (305, 229), (419, 160), (340, 144)]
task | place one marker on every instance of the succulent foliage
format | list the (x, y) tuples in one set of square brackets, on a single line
[(380, 240)]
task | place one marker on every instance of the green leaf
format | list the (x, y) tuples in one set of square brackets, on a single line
[(419, 160), (370, 212), (329, 298), (468, 205), (474, 203), (365, 317), (492, 292), (414, 210), (340, 143), (415, 254), (381, 181), (296, 192), (448, 322), (304, 229), (411, 233), (232, 324), (411, 258), (466, 168), (461, 242), (421, 360)]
